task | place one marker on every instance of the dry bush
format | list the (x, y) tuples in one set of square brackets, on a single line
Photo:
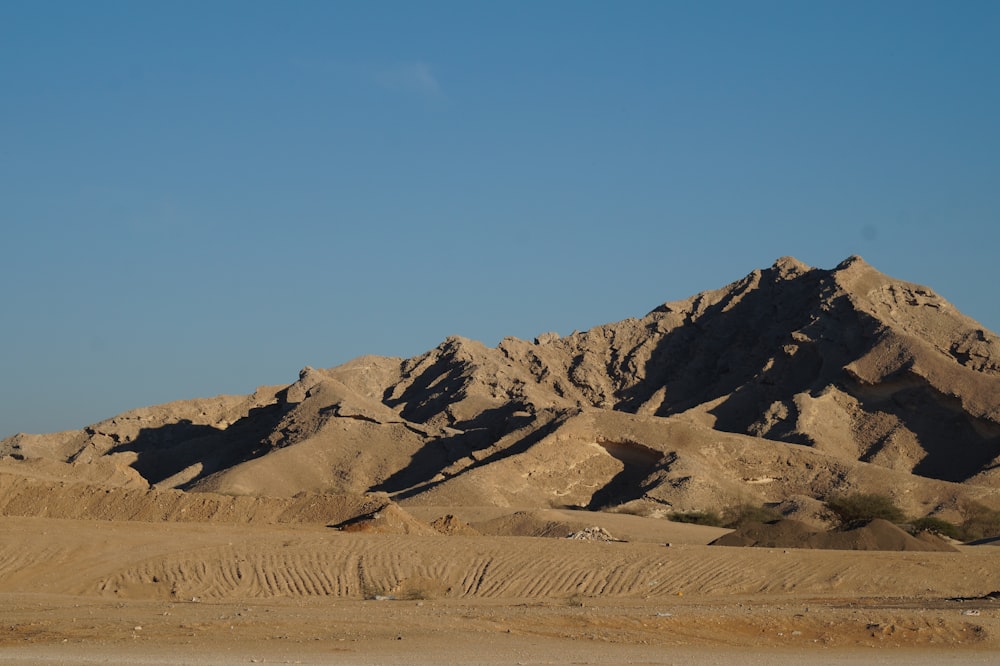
[(742, 514), (710, 518), (371, 591)]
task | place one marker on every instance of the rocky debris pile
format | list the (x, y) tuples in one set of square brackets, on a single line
[(592, 534)]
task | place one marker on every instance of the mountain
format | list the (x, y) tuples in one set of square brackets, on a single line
[(792, 384)]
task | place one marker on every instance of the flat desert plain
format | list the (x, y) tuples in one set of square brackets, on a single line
[(122, 592)]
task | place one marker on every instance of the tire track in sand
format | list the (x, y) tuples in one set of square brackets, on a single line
[(363, 565)]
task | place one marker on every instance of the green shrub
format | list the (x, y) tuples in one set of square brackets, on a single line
[(937, 526), (980, 522), (742, 514), (710, 518), (864, 507)]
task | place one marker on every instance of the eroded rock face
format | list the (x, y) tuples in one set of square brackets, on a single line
[(792, 382)]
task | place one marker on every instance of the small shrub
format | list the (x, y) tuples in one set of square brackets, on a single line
[(418, 588), (937, 526), (742, 514), (632, 509), (710, 518), (416, 594), (862, 507), (371, 591), (980, 522)]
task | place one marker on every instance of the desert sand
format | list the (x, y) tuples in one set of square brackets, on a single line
[(75, 591), (392, 511)]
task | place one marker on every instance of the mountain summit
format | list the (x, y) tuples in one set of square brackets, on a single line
[(791, 382)]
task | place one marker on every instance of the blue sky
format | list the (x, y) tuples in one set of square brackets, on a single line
[(203, 197)]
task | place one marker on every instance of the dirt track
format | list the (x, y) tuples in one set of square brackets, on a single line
[(373, 632)]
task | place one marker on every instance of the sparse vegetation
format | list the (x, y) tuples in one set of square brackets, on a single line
[(710, 518), (371, 591), (937, 526), (417, 593), (732, 517), (862, 507), (742, 514), (979, 522)]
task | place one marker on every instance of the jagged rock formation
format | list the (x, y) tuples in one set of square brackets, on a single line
[(792, 382)]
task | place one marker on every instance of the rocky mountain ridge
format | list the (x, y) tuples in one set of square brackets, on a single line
[(794, 382)]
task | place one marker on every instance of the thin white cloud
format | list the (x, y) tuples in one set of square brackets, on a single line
[(412, 77)]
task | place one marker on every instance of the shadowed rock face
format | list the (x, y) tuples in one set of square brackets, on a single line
[(793, 381)]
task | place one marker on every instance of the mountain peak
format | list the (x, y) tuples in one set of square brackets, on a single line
[(790, 267), (852, 261)]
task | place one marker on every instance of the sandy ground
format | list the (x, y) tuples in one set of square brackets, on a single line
[(76, 592)]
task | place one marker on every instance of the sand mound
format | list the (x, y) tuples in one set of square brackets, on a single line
[(807, 510), (527, 523), (877, 534), (389, 519), (451, 525)]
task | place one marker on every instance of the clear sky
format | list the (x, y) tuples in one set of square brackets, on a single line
[(200, 197)]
